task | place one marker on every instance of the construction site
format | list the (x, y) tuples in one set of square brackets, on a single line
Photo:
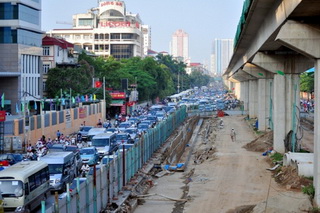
[(200, 169)]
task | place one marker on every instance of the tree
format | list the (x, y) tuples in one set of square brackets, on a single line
[(307, 82), (78, 79)]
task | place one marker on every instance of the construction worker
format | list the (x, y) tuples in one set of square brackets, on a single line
[(233, 135)]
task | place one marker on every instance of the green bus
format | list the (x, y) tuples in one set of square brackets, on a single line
[(24, 185)]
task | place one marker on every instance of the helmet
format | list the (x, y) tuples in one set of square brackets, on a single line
[(232, 128)]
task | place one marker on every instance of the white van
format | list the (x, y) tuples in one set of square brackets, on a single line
[(62, 169), (93, 132), (105, 143)]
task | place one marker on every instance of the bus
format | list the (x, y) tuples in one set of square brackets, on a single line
[(24, 185)]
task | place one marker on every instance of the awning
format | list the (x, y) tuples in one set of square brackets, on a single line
[(116, 103)]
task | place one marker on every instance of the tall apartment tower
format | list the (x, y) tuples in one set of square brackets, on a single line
[(21, 51), (179, 47), (146, 32), (222, 50)]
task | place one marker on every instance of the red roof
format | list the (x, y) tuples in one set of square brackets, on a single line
[(195, 64), (47, 40)]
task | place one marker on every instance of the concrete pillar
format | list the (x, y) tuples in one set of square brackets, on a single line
[(262, 106), (292, 100), (279, 113), (316, 180), (269, 103), (253, 98), (245, 95), (237, 90)]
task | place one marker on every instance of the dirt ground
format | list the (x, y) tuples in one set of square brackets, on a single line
[(222, 176)]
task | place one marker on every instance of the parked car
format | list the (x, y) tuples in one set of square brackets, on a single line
[(89, 155)]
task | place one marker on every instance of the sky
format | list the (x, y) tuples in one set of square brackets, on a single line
[(203, 20)]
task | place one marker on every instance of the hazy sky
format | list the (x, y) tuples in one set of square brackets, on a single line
[(203, 20)]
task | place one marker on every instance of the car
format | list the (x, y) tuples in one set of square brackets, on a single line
[(112, 130), (106, 159), (133, 132), (56, 147), (89, 155), (135, 121), (11, 158), (161, 116), (124, 125), (152, 118), (143, 127), (124, 138), (83, 131), (71, 148)]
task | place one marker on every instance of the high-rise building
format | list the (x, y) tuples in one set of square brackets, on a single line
[(106, 30), (21, 51), (179, 45), (146, 32), (222, 51)]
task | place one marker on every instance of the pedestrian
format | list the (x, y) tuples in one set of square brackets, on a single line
[(99, 124), (58, 134), (233, 135)]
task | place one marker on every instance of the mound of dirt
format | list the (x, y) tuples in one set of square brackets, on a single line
[(261, 143), (288, 177), (242, 209)]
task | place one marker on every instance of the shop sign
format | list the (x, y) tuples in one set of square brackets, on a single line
[(2, 116), (118, 95), (82, 112)]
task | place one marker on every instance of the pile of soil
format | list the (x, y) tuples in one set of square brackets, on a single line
[(288, 176), (261, 143)]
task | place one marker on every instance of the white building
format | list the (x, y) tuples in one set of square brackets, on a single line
[(179, 45), (221, 54), (20, 50), (106, 30), (56, 53), (146, 31)]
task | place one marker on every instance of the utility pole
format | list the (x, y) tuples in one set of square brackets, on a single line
[(178, 82)]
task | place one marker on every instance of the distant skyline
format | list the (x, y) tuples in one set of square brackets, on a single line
[(203, 20)]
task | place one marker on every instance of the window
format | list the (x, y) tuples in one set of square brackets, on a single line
[(26, 188), (32, 183), (46, 68), (46, 51), (85, 22), (96, 36), (115, 35), (120, 51)]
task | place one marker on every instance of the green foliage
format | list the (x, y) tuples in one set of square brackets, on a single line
[(309, 190), (307, 82), (276, 157), (157, 77)]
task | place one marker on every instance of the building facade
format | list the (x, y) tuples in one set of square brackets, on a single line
[(106, 30), (20, 50), (179, 45), (222, 51), (146, 32), (56, 53)]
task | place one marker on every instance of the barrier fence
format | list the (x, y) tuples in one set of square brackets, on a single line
[(94, 193)]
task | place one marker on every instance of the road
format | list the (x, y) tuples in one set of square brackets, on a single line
[(233, 177)]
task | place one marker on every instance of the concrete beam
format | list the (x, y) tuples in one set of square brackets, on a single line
[(289, 64), (302, 38), (256, 71)]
